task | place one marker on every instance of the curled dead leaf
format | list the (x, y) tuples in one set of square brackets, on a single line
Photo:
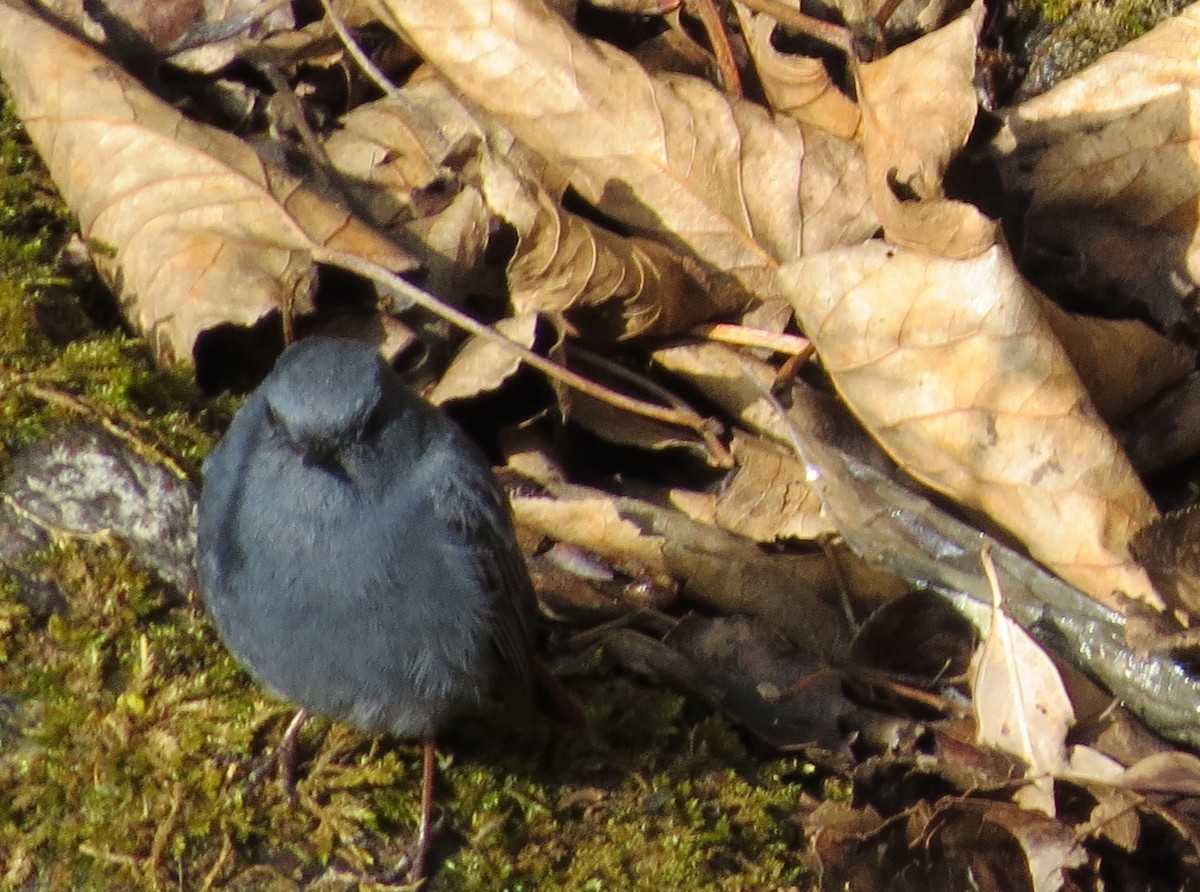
[(918, 107), (799, 86)]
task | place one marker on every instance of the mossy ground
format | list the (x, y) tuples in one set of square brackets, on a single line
[(127, 732), (1081, 31)]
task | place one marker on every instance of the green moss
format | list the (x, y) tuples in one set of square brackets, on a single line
[(127, 733), (1072, 34)]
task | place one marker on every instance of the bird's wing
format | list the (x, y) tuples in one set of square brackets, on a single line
[(470, 503)]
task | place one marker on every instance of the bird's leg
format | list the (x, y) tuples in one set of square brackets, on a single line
[(425, 831), (411, 868)]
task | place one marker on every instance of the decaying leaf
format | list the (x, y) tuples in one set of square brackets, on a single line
[(188, 224), (1110, 160), (768, 498), (991, 840), (918, 106), (950, 364), (798, 593), (605, 286), (742, 667), (668, 156), (799, 86)]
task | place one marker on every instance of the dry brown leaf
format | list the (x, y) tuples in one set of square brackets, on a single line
[(1172, 772), (390, 148), (918, 107), (188, 224), (1111, 161), (721, 374), (481, 365), (158, 22), (670, 156), (618, 426), (951, 366), (596, 525), (605, 286), (403, 158), (798, 86), (1007, 847), (768, 498), (1123, 362)]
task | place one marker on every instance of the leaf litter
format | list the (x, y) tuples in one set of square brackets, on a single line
[(539, 178)]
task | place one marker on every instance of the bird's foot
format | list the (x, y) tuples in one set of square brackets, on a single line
[(410, 870), (282, 759)]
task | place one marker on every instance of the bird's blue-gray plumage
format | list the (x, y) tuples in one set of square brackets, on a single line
[(356, 553)]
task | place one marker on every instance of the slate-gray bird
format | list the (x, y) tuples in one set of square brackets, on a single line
[(357, 555)]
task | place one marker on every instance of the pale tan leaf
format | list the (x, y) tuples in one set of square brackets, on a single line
[(918, 107), (596, 525), (402, 157), (669, 156), (188, 224), (1116, 135), (768, 498), (721, 373), (1020, 703), (1089, 763), (618, 426), (1170, 772), (1110, 159), (799, 86), (383, 145), (951, 366), (482, 365)]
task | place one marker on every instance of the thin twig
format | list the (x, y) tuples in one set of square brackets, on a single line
[(744, 336), (715, 446), (369, 68), (791, 366), (56, 533), (885, 12), (794, 20), (80, 406), (839, 578), (681, 417), (714, 26)]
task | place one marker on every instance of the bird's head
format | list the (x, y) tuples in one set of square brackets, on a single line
[(326, 395)]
